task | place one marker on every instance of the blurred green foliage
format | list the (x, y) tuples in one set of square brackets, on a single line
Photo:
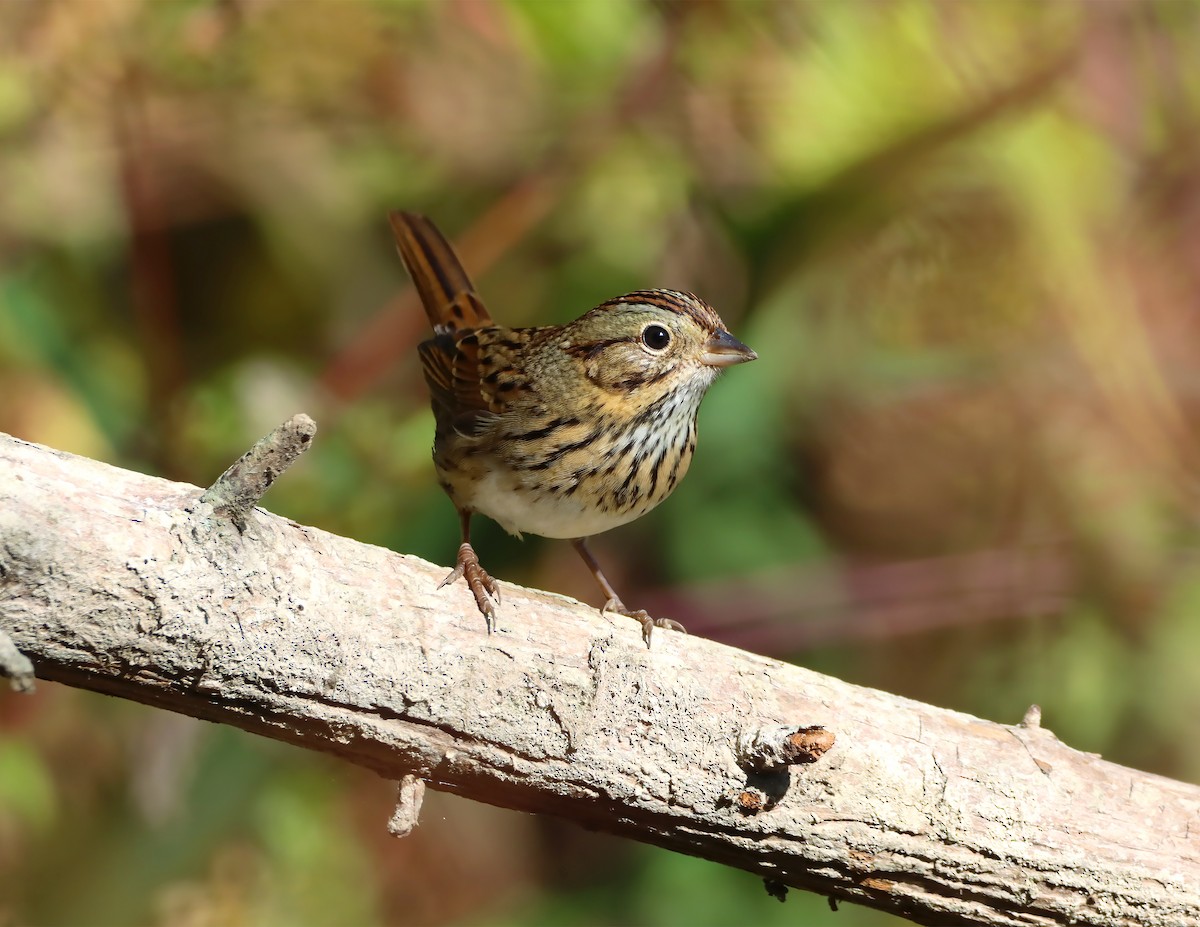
[(961, 237)]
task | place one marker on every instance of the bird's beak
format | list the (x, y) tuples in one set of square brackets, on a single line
[(723, 350)]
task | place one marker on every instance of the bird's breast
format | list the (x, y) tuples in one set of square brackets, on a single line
[(574, 476)]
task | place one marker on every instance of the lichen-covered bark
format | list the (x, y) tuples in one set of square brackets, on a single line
[(129, 585)]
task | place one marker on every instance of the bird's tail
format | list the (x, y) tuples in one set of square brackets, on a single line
[(446, 291)]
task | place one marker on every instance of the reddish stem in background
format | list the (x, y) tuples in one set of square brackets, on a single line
[(151, 280)]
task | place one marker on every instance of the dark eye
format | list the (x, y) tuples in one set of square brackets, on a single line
[(655, 337)]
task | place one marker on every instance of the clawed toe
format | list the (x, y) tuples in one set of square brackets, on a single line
[(485, 589), (648, 622), (452, 576)]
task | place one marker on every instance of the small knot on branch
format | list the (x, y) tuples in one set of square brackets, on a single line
[(409, 796), (768, 749), (15, 665), (240, 487)]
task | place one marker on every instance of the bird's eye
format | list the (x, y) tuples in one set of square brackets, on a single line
[(655, 337)]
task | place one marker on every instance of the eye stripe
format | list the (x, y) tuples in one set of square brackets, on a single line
[(592, 348)]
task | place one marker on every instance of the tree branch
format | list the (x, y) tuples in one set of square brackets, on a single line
[(132, 586)]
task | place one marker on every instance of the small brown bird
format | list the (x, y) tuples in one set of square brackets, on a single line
[(564, 430)]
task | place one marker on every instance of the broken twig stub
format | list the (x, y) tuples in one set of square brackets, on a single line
[(240, 487)]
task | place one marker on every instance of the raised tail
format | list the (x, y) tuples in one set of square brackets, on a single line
[(446, 291)]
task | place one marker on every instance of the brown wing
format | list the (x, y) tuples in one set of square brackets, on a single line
[(476, 376), (446, 291)]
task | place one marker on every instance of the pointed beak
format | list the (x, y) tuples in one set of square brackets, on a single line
[(723, 350)]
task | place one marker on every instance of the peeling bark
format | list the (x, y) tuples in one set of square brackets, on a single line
[(131, 585)]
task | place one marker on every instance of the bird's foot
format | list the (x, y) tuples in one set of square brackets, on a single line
[(648, 622), (485, 589)]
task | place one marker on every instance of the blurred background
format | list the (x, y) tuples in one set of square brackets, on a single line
[(963, 237)]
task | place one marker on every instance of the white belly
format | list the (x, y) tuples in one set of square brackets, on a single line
[(518, 511)]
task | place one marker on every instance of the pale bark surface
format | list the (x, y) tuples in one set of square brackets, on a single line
[(129, 585)]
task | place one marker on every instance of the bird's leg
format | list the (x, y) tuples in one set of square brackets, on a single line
[(614, 603), (485, 589)]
